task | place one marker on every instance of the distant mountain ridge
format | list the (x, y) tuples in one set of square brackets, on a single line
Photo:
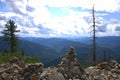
[(50, 50), (83, 46)]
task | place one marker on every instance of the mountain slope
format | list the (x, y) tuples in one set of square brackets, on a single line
[(50, 50), (45, 54), (59, 45)]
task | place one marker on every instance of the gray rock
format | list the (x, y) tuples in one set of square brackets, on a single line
[(6, 76), (103, 71), (34, 77)]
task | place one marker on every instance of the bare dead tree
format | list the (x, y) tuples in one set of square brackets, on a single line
[(94, 37)]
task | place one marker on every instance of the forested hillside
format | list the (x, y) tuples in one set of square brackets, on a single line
[(51, 50)]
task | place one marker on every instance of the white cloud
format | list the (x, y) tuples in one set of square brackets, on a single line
[(107, 5), (113, 23), (17, 6), (41, 15), (72, 24), (110, 27), (6, 15), (100, 5), (66, 3)]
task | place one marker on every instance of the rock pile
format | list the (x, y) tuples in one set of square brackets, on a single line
[(68, 69), (70, 66), (18, 70), (104, 71)]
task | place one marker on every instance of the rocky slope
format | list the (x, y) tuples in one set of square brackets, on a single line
[(103, 71), (68, 69)]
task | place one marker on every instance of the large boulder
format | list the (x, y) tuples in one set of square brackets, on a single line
[(6, 76), (51, 73), (27, 72)]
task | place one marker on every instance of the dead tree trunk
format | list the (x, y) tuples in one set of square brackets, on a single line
[(94, 37)]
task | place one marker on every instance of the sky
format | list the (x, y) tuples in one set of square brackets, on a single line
[(61, 18)]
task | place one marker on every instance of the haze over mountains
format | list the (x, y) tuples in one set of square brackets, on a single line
[(50, 50)]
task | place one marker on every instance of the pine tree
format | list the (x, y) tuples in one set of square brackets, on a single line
[(10, 36)]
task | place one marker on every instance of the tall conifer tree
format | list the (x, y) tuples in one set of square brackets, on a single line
[(10, 36)]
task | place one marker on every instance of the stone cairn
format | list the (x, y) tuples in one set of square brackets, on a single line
[(70, 66)]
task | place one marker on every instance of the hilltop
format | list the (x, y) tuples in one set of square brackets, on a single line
[(69, 68)]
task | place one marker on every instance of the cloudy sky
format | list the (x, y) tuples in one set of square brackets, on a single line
[(61, 18)]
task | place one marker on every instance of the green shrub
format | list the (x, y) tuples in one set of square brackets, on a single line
[(29, 59), (5, 57)]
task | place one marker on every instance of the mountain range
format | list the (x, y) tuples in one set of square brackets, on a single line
[(51, 50)]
